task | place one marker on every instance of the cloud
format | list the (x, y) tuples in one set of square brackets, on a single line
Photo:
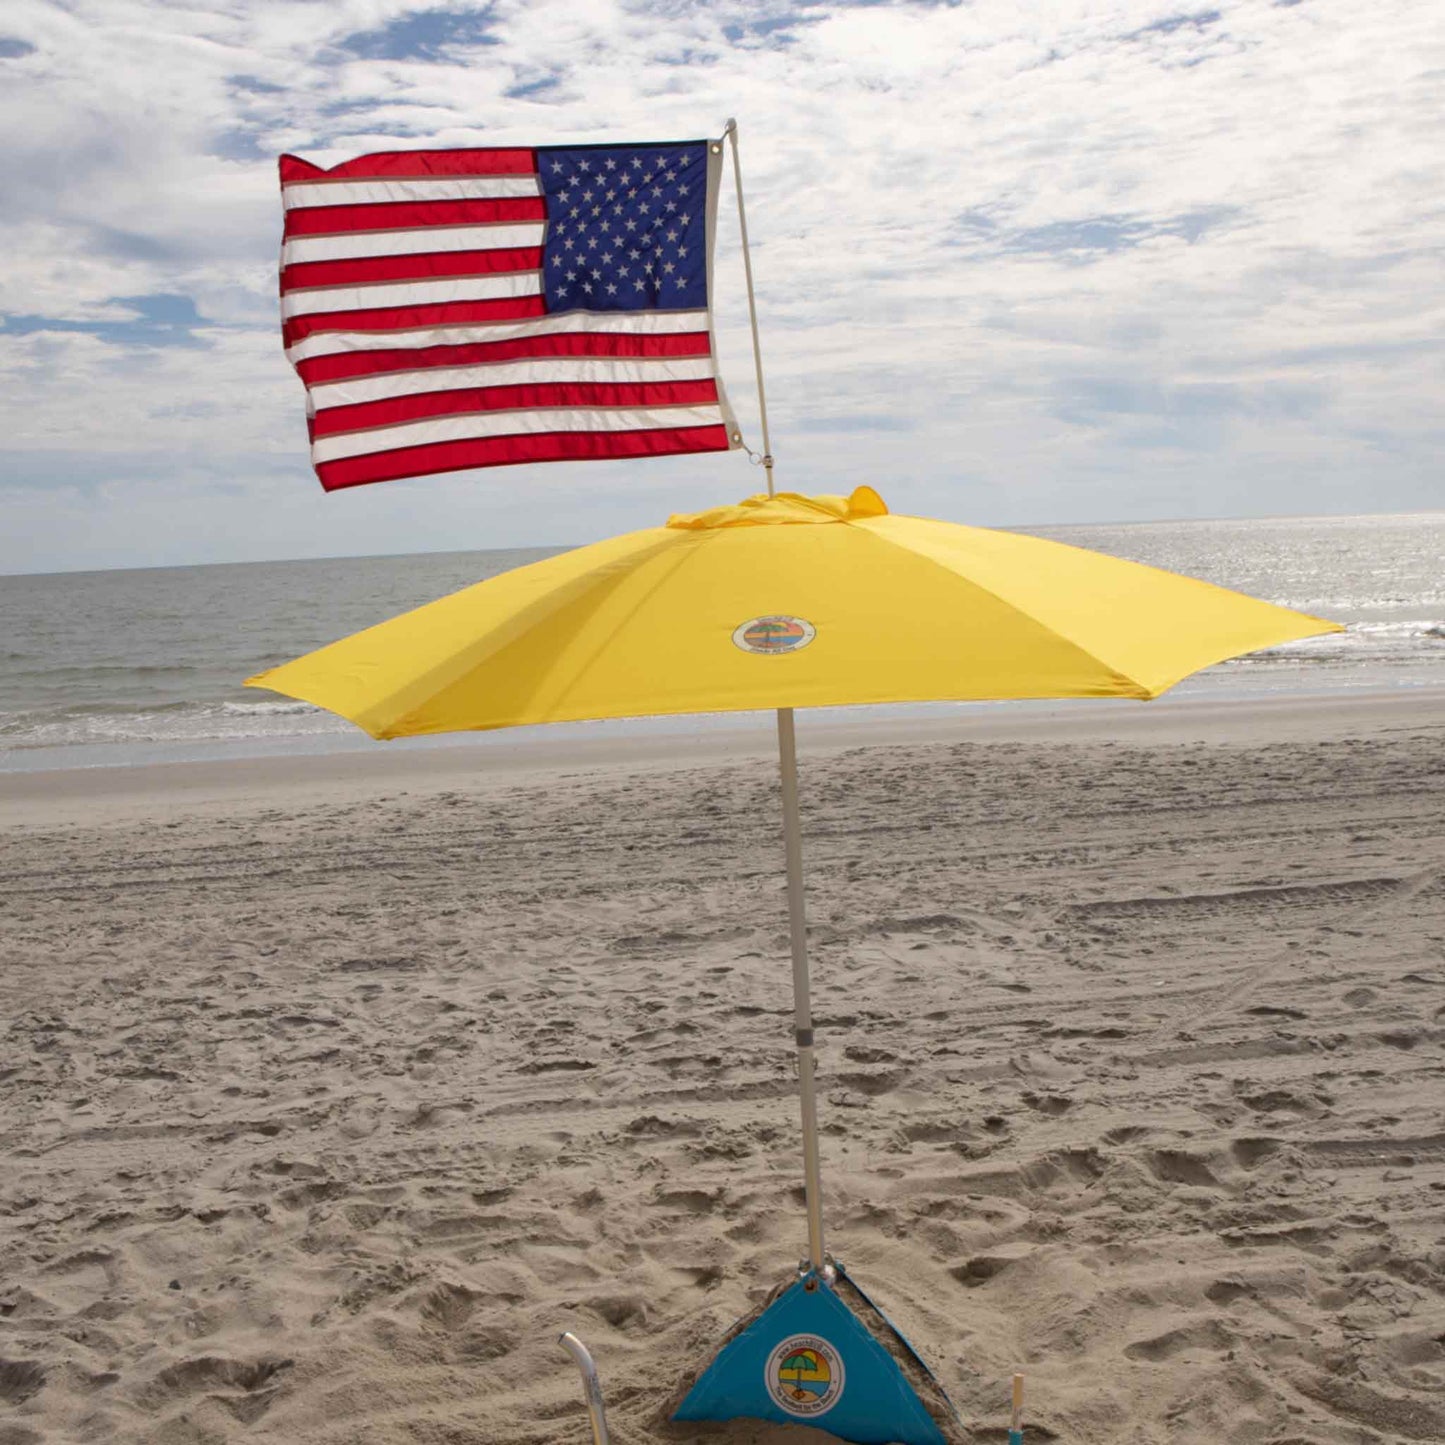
[(159, 320), (1016, 264), (421, 35)]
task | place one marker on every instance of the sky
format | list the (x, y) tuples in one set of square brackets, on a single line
[(1060, 262)]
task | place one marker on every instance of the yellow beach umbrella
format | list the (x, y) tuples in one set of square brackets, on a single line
[(787, 601), (784, 602)]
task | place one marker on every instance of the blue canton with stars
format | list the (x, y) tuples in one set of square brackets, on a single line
[(626, 227)]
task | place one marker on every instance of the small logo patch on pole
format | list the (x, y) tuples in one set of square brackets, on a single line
[(804, 1376), (775, 634)]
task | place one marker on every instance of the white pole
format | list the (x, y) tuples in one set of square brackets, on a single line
[(731, 131), (792, 830), (802, 1007)]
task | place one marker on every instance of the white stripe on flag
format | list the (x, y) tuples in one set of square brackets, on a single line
[(632, 323), (351, 245), (411, 293), (510, 423), (542, 371), (302, 195)]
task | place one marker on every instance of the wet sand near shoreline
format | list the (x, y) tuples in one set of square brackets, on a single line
[(330, 1093)]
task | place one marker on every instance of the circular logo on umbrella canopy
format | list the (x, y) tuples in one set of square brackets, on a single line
[(778, 633), (804, 1376)]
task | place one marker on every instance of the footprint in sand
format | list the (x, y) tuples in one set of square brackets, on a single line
[(20, 1379), (1206, 1335), (1177, 1166), (245, 1388), (1050, 1104), (448, 1306), (982, 1268)]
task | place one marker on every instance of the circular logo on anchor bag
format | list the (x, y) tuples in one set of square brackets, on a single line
[(778, 633), (804, 1376)]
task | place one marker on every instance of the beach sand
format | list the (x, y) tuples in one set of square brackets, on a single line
[(332, 1090)]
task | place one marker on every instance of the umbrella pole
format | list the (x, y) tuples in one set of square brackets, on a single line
[(792, 832), (802, 1007)]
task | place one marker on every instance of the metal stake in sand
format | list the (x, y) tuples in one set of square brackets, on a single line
[(792, 831), (591, 1385)]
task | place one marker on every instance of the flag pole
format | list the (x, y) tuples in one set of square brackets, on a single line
[(792, 829), (731, 132)]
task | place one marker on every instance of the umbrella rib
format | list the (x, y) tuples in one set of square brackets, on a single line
[(682, 556), (683, 551)]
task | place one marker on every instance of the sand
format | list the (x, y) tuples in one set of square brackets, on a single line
[(331, 1090)]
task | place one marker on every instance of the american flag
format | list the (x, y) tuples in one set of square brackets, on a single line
[(472, 308)]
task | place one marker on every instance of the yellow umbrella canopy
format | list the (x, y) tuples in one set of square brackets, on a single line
[(782, 602)]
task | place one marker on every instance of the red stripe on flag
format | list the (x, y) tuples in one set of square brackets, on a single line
[(391, 318), (410, 215), (422, 267), (526, 396), (503, 451), (386, 165), (348, 364)]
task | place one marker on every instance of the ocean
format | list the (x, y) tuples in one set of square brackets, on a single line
[(113, 668)]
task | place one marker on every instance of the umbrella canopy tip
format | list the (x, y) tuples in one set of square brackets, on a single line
[(784, 509)]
